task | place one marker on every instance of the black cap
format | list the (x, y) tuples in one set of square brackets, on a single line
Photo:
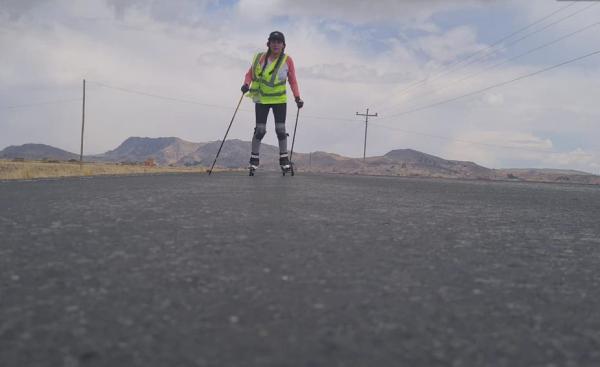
[(276, 35)]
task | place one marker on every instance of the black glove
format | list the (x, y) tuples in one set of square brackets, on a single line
[(245, 88), (299, 102)]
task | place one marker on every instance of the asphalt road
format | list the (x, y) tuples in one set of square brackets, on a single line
[(230, 270)]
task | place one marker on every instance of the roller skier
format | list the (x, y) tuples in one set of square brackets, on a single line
[(265, 83)]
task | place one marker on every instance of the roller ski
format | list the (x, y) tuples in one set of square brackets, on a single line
[(285, 164), (287, 169), (253, 164), (251, 170)]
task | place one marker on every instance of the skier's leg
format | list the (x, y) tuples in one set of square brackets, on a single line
[(281, 136), (261, 111), (279, 111)]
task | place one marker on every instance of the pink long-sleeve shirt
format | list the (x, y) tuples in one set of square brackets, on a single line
[(288, 68)]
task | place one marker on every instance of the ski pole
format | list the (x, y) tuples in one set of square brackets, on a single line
[(222, 142), (294, 137)]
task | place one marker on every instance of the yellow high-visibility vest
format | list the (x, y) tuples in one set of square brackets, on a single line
[(267, 87)]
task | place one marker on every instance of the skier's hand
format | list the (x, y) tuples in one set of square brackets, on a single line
[(299, 102), (245, 88)]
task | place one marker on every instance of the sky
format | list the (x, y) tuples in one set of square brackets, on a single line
[(461, 79)]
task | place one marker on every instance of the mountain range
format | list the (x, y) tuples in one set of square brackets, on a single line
[(235, 154)]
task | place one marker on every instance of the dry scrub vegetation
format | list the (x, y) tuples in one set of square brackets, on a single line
[(10, 170)]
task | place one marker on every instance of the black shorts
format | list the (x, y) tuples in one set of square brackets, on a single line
[(262, 112)]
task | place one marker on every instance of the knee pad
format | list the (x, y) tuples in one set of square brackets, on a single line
[(259, 132), (281, 134)]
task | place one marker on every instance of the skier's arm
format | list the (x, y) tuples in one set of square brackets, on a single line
[(248, 77), (292, 77)]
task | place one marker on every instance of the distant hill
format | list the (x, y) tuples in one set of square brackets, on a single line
[(36, 152), (401, 162), (236, 153), (163, 150)]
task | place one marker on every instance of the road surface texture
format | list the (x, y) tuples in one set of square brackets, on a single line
[(230, 270)]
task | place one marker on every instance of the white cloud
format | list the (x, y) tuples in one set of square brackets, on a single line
[(575, 159), (490, 148), (494, 99), (446, 47), (356, 11)]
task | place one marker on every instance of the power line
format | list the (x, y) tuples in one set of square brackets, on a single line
[(163, 97), (535, 32), (491, 47), (493, 66), (174, 99), (491, 87), (158, 96), (41, 103), (497, 42)]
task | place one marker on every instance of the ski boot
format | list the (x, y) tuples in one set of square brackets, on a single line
[(253, 164), (285, 164)]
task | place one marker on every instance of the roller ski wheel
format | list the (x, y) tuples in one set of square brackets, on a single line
[(287, 169), (251, 170)]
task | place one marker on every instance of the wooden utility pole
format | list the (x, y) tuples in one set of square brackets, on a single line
[(82, 123), (366, 125)]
